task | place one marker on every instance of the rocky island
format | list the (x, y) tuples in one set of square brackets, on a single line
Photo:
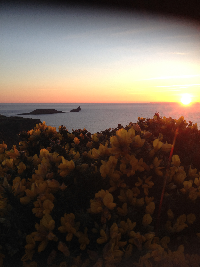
[(76, 109), (10, 127), (42, 111)]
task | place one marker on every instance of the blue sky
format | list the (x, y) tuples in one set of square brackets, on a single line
[(96, 55)]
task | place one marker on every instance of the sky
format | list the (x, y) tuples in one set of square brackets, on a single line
[(88, 55)]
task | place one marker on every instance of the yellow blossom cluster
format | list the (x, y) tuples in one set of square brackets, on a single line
[(102, 203), (68, 225), (79, 199)]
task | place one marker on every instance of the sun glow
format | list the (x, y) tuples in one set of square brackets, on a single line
[(186, 99)]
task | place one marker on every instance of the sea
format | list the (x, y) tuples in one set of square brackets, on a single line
[(97, 117)]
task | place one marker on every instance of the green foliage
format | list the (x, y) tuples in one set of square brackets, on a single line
[(77, 199)]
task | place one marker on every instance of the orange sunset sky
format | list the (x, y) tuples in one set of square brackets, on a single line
[(87, 55)]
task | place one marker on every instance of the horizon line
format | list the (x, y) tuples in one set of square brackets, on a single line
[(151, 102)]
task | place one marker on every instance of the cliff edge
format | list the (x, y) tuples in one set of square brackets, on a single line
[(10, 127)]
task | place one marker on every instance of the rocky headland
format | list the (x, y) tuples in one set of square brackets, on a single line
[(42, 111), (76, 109), (10, 127)]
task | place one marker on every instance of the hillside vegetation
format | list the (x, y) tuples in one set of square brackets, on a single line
[(114, 198)]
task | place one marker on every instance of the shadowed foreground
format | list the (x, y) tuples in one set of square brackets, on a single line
[(76, 199)]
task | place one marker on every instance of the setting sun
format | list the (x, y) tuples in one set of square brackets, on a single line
[(186, 99)]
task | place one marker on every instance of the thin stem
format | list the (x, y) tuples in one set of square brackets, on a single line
[(165, 181)]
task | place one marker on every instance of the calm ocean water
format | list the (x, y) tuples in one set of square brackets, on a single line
[(99, 117)]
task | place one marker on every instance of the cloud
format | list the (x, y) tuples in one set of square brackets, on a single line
[(173, 53), (171, 77), (178, 85), (178, 53)]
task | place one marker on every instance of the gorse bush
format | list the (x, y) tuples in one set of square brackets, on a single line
[(80, 199)]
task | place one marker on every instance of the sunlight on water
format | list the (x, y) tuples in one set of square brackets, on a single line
[(98, 117)]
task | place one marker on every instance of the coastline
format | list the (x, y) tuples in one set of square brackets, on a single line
[(10, 127)]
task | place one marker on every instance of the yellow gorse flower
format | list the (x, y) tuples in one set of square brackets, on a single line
[(166, 147), (83, 239), (103, 238), (69, 226), (147, 219), (105, 198), (157, 144), (113, 250), (95, 137), (192, 172), (107, 168), (103, 150), (126, 227), (156, 163), (21, 167), (176, 160), (43, 205), (102, 203), (29, 247), (150, 208), (138, 141), (180, 176), (64, 249), (129, 195), (123, 211), (19, 186), (44, 232), (93, 153), (123, 139), (66, 167), (8, 163), (136, 239), (178, 226), (13, 153), (76, 140)]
